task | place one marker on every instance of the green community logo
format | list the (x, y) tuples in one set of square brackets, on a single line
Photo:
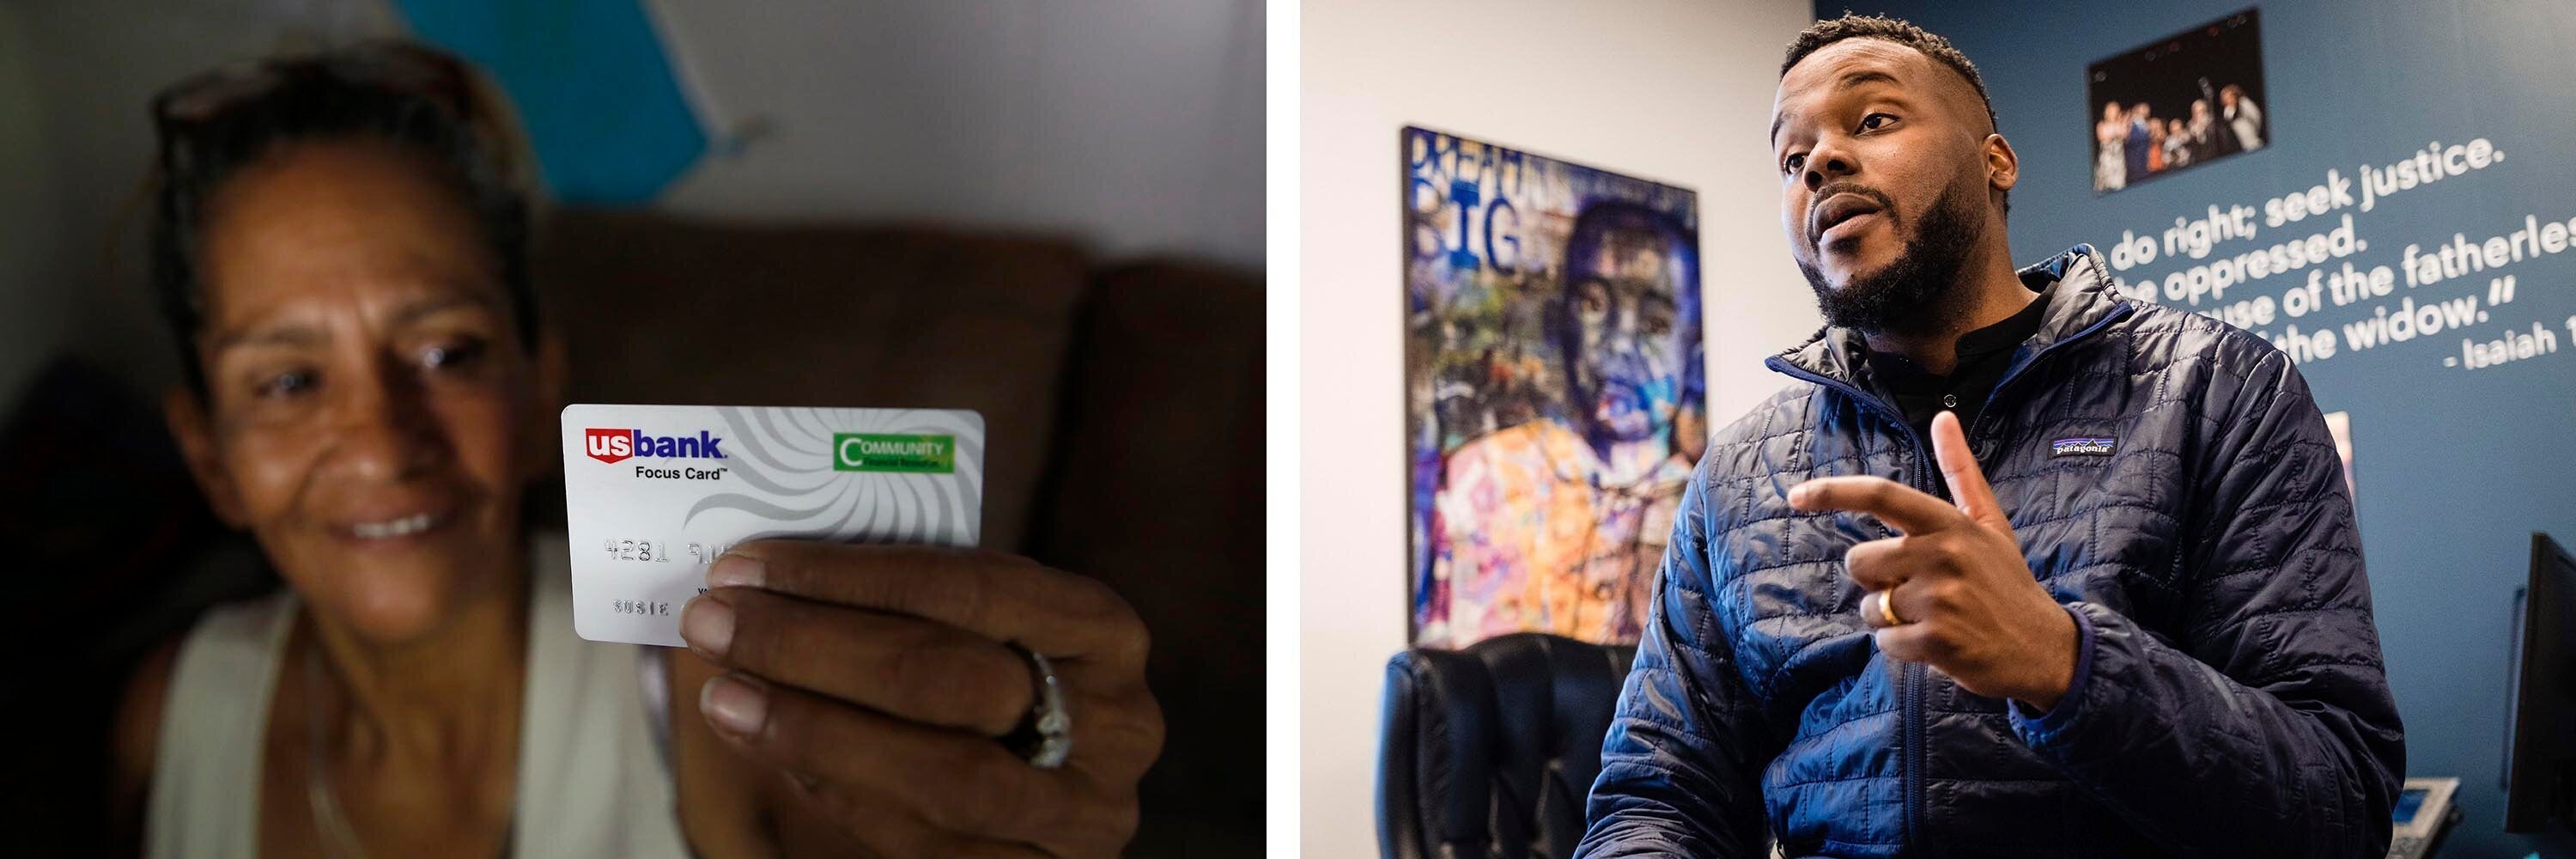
[(911, 454)]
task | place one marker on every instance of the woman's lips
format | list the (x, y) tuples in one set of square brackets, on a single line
[(395, 527)]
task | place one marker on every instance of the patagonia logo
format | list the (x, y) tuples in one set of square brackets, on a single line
[(2081, 447)]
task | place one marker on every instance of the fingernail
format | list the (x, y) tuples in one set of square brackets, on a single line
[(735, 705), (707, 624), (734, 571), (1798, 495)]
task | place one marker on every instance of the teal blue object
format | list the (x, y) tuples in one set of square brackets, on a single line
[(594, 89)]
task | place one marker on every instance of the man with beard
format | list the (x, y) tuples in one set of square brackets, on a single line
[(2017, 567)]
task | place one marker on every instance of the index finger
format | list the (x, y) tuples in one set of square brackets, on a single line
[(1959, 466), (995, 595), (1902, 507)]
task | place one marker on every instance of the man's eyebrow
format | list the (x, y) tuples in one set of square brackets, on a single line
[(1847, 81)]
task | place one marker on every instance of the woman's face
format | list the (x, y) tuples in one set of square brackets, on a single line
[(370, 414)]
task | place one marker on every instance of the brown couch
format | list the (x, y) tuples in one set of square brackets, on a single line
[(1123, 406)]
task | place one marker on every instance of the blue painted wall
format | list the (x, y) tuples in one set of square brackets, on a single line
[(594, 90), (2453, 467)]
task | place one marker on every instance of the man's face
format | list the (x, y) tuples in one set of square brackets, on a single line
[(1881, 153)]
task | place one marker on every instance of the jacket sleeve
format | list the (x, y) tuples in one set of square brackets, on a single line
[(1681, 767), (2265, 726)]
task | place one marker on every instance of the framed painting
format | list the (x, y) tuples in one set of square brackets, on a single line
[(1554, 385)]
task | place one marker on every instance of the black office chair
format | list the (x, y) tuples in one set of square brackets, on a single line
[(1490, 751)]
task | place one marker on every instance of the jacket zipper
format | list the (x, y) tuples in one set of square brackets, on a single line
[(1909, 691), (1909, 686)]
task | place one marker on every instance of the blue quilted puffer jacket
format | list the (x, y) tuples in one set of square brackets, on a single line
[(2228, 697)]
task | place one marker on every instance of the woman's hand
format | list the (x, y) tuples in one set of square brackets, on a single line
[(878, 680)]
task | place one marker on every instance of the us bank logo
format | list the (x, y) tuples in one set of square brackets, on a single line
[(613, 445)]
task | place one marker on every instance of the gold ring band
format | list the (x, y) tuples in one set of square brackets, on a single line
[(1887, 612)]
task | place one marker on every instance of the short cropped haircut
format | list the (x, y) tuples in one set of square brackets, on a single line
[(1851, 26)]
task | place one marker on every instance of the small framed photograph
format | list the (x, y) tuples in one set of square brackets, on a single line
[(2179, 102)]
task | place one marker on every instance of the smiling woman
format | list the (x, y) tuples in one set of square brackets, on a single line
[(340, 246)]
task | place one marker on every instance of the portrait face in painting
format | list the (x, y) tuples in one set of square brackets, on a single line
[(1623, 338)]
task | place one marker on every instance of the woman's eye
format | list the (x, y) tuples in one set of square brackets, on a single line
[(452, 355), (287, 384), (1875, 121), (1658, 326)]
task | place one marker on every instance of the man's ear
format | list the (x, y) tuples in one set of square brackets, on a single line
[(185, 413), (2003, 165)]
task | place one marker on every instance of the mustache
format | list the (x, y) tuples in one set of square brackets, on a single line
[(1816, 204)]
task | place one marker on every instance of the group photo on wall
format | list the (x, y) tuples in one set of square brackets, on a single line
[(2191, 99)]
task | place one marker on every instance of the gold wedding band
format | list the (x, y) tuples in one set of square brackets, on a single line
[(1886, 611)]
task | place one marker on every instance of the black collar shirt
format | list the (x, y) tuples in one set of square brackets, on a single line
[(1983, 354)]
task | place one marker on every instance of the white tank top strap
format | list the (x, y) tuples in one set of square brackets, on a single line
[(214, 726)]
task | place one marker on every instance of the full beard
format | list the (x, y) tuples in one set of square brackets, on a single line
[(1912, 292)]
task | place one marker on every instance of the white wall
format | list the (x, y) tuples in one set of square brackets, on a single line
[(1135, 125), (1663, 89), (94, 66)]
